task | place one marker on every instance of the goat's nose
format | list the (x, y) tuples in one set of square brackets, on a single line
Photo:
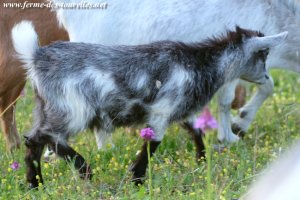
[(267, 76)]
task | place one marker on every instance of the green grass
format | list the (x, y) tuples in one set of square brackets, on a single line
[(227, 175)]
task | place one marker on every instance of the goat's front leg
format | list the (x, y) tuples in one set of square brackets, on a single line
[(158, 123), (197, 135), (247, 113), (225, 98), (139, 167)]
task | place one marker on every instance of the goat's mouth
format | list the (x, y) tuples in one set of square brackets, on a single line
[(259, 82)]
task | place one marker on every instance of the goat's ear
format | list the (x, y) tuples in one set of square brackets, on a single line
[(241, 34), (259, 43), (238, 29)]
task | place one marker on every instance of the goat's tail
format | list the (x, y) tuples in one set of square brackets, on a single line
[(25, 41)]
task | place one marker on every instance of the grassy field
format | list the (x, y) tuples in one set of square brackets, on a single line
[(176, 174)]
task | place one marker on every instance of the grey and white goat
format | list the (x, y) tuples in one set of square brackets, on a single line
[(140, 22), (80, 85)]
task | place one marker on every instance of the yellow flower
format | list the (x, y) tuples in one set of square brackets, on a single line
[(46, 165), (222, 198), (97, 157), (157, 190), (192, 194)]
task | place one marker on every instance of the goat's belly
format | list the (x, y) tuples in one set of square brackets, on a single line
[(135, 114)]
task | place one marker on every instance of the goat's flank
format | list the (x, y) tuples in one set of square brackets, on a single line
[(79, 85)]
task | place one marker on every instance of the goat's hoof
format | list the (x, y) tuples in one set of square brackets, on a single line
[(237, 130), (86, 176), (200, 156), (137, 180)]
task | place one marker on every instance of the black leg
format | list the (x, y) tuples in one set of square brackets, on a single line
[(69, 154), (140, 165), (33, 161), (197, 135)]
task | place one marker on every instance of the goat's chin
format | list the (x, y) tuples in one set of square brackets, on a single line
[(259, 82)]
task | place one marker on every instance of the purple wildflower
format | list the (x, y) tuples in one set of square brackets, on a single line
[(147, 134), (206, 121), (15, 165)]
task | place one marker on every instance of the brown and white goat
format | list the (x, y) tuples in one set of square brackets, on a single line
[(12, 76)]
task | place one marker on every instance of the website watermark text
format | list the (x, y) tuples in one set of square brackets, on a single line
[(52, 5)]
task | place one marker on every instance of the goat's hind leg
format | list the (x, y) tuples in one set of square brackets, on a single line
[(35, 144), (61, 148)]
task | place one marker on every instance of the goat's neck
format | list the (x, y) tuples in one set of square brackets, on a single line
[(214, 73), (229, 66)]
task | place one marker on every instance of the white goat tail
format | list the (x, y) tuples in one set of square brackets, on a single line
[(25, 41)]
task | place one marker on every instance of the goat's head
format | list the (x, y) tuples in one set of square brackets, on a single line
[(255, 47)]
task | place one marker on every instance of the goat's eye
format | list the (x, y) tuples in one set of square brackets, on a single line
[(263, 53)]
